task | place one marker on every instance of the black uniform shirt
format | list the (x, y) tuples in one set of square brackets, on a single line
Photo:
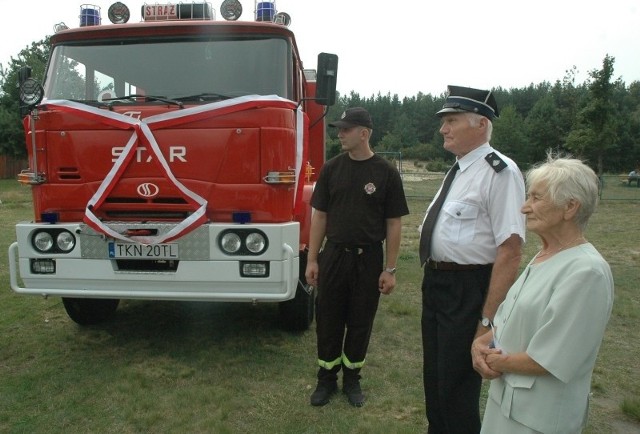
[(358, 197)]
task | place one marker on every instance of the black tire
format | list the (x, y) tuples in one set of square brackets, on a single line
[(297, 314), (89, 311)]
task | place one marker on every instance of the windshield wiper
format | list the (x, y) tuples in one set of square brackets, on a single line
[(146, 98), (91, 102), (205, 96)]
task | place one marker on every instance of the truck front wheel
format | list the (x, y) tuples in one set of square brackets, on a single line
[(297, 314), (88, 311)]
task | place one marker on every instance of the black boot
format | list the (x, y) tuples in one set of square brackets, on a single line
[(323, 392), (351, 387), (327, 386)]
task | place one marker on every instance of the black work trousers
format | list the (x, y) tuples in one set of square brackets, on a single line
[(451, 308), (346, 306)]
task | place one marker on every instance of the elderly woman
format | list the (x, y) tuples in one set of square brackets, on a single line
[(546, 334)]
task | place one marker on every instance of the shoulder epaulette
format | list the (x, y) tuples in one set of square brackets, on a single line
[(495, 162)]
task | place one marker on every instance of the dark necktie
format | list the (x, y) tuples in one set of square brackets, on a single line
[(432, 216)]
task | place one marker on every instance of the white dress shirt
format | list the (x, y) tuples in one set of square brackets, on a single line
[(481, 210)]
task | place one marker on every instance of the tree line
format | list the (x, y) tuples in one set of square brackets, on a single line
[(597, 121)]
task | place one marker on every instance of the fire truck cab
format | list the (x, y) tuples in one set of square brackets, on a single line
[(173, 159)]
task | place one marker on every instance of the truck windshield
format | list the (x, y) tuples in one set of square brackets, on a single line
[(186, 70)]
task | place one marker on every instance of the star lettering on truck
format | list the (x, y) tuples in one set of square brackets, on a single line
[(176, 153)]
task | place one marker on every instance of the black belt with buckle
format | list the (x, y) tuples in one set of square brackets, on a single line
[(452, 266), (356, 249)]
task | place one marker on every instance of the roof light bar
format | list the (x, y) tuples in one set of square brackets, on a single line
[(90, 15), (231, 10), (265, 10), (118, 13), (181, 11)]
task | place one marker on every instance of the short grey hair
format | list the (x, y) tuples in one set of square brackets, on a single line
[(474, 120), (567, 178)]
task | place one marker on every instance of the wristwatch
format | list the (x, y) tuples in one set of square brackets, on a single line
[(486, 322), (391, 270)]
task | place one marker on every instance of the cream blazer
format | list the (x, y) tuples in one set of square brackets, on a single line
[(556, 312)]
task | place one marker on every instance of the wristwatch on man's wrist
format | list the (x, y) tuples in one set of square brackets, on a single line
[(486, 322), (390, 270)]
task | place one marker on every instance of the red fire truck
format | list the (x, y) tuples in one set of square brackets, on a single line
[(172, 159)]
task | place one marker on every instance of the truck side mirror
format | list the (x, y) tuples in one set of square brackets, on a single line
[(23, 73), (327, 79), (31, 93)]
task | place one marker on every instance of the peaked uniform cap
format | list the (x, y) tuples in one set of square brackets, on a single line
[(356, 116), (466, 99)]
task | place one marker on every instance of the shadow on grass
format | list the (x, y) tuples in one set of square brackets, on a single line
[(179, 339), (188, 325)]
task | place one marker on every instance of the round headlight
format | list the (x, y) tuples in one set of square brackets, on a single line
[(43, 241), (66, 241), (255, 242), (231, 242)]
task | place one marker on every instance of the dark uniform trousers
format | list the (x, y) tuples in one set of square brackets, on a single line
[(346, 306), (451, 308)]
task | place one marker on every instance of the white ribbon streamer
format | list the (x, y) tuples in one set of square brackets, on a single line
[(164, 120)]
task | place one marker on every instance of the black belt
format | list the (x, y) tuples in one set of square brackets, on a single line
[(356, 249), (452, 266)]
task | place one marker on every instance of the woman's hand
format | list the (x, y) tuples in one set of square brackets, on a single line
[(481, 351), (495, 361)]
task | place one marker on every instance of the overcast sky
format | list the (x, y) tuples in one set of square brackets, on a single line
[(411, 46)]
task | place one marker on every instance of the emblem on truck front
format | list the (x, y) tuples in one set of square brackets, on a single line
[(148, 189)]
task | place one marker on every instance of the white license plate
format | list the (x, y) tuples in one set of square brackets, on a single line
[(139, 251)]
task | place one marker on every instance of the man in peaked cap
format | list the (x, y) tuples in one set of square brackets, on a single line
[(470, 248), (358, 203), (465, 99)]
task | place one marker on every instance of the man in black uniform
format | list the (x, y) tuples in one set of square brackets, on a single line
[(358, 203)]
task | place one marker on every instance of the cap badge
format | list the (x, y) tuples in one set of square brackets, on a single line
[(370, 188)]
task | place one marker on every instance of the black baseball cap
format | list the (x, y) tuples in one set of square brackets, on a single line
[(356, 116), (466, 99)]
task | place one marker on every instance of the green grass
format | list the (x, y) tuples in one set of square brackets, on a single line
[(631, 407), (169, 367), (616, 188)]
